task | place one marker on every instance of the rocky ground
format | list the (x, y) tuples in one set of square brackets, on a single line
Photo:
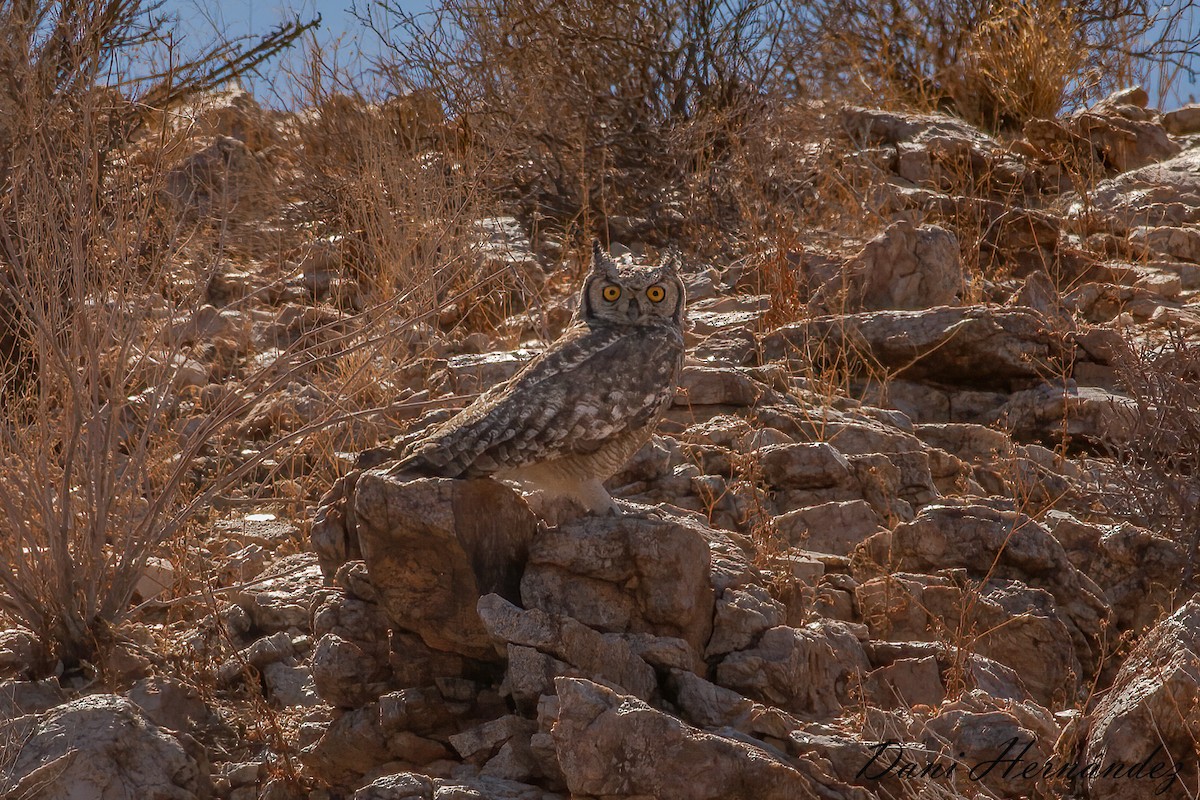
[(873, 552)]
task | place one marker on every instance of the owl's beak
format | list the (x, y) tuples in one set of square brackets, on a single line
[(635, 311)]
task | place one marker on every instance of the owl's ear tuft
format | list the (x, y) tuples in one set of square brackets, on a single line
[(601, 260)]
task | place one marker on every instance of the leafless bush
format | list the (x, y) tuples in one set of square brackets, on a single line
[(595, 109), (404, 204), (1157, 480), (996, 63), (100, 441)]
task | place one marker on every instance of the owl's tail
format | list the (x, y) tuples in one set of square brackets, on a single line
[(422, 465)]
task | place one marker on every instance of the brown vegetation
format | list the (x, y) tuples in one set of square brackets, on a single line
[(208, 309)]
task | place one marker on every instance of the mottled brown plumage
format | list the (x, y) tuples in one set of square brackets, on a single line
[(574, 414)]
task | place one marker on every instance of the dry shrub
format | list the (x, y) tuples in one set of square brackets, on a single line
[(595, 110), (1156, 482), (389, 184), (995, 63), (99, 443), (1022, 63)]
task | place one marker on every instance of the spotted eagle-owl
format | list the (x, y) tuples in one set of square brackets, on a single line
[(574, 414)]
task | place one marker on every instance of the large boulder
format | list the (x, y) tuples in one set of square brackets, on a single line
[(607, 657), (990, 544), (628, 574), (434, 546), (940, 152), (1005, 620), (1156, 195), (807, 671), (100, 747), (1147, 720), (611, 745), (978, 346), (905, 267)]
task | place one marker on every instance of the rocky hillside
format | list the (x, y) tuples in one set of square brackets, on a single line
[(894, 538)]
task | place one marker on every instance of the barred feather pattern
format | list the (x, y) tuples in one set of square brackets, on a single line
[(573, 415), (594, 387)]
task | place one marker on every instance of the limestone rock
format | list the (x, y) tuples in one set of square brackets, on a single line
[(1146, 720), (1017, 626), (626, 574), (229, 111), (906, 682), (1125, 144), (978, 346), (1182, 121), (1138, 569), (480, 743), (714, 707), (432, 550), (171, 704), (935, 150), (835, 527), (421, 711), (334, 534), (1093, 416), (20, 651), (742, 615), (1166, 193), (346, 674), (905, 267), (100, 747), (805, 671), (352, 745), (476, 372), (290, 685), (260, 653), (283, 596), (999, 545), (606, 656), (710, 386), (416, 786), (1178, 243), (983, 730), (609, 745), (804, 466)]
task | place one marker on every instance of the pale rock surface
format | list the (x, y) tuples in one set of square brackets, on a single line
[(1148, 716), (283, 596), (610, 745), (431, 553), (606, 656), (999, 545), (905, 267), (630, 574), (807, 671), (1182, 121), (978, 346), (101, 747)]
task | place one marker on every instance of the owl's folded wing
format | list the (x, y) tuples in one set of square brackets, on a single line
[(592, 386)]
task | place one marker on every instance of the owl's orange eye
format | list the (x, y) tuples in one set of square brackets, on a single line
[(656, 294), (611, 293)]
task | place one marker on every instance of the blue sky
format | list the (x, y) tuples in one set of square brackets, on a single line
[(251, 16), (200, 19), (200, 22)]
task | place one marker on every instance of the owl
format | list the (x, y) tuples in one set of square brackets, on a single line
[(574, 414)]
